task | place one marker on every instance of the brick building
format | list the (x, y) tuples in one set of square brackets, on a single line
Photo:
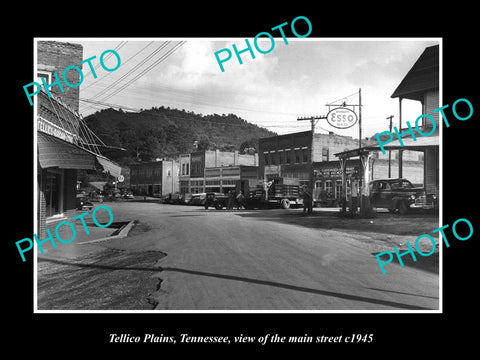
[(54, 56), (62, 145), (288, 156)]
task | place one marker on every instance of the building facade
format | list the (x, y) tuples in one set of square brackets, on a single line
[(62, 148), (158, 178), (421, 83), (288, 156), (215, 169)]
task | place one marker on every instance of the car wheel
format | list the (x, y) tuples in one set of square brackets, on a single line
[(218, 206), (391, 211), (285, 204), (403, 208)]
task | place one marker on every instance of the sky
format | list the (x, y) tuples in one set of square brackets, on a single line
[(273, 90)]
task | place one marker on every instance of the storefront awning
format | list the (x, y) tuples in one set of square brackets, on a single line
[(421, 143), (55, 152), (109, 166)]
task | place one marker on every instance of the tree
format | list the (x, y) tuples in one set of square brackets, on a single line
[(203, 144), (248, 146)]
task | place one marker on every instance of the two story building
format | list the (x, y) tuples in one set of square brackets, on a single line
[(64, 143)]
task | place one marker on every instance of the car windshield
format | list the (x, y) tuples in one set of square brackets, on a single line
[(401, 184)]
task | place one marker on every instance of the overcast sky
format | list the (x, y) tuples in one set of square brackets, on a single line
[(272, 90)]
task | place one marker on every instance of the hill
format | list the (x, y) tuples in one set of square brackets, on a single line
[(163, 132)]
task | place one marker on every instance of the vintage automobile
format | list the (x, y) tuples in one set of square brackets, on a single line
[(82, 203), (399, 194), (217, 200), (198, 199)]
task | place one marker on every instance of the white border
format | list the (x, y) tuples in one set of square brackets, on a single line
[(73, 39)]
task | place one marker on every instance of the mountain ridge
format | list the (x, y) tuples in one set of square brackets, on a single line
[(162, 132)]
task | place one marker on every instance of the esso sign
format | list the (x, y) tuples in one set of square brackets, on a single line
[(342, 118)]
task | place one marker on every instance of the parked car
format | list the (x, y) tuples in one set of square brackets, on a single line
[(215, 199), (82, 203), (198, 199), (128, 195), (185, 199), (399, 194)]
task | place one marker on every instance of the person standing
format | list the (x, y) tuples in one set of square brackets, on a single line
[(230, 200), (240, 200), (307, 200), (354, 196)]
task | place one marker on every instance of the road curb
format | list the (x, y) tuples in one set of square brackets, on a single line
[(121, 233)]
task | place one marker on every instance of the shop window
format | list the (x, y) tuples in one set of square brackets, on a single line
[(280, 157), (328, 186), (338, 189)]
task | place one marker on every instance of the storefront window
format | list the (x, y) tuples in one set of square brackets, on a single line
[(328, 186), (338, 189)]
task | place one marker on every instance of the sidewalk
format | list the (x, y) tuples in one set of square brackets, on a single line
[(83, 242)]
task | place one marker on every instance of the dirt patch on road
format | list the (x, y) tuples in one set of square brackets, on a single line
[(384, 223), (108, 280)]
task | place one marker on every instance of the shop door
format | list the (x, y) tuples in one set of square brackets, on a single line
[(53, 193)]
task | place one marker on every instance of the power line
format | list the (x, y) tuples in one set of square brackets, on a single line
[(149, 68), (137, 66), (123, 64), (96, 67)]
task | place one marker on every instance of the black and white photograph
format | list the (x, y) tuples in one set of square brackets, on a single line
[(260, 187), (220, 182)]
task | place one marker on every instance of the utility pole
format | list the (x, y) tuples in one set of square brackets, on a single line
[(313, 121), (362, 209), (390, 151)]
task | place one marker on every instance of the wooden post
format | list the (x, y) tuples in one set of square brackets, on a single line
[(390, 151), (400, 152)]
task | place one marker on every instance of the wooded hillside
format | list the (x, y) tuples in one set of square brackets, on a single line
[(163, 132)]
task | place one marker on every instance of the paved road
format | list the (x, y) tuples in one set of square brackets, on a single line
[(252, 260)]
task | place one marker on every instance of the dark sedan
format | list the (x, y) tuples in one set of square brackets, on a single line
[(399, 194)]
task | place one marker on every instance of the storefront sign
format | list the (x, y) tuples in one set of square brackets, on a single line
[(51, 129), (342, 118)]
